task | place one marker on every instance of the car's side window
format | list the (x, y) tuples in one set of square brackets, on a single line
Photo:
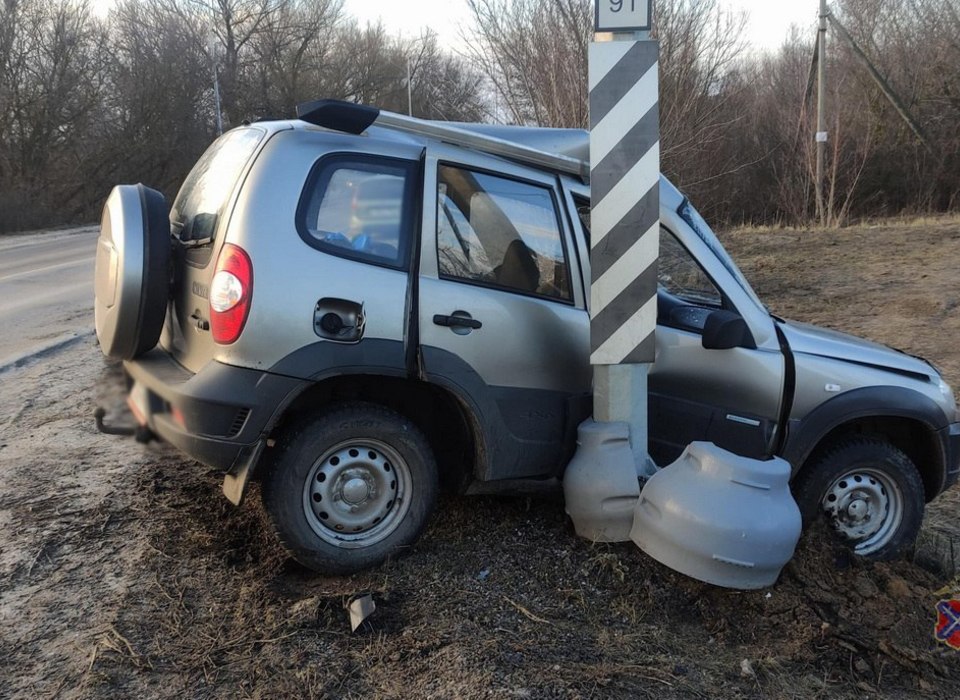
[(359, 207), (500, 232), (682, 276), (687, 296)]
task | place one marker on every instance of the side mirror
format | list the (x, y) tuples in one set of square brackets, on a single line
[(725, 330)]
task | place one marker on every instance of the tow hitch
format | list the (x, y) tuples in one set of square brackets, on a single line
[(141, 433)]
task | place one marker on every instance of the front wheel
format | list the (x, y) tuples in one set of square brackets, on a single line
[(351, 488), (869, 492)]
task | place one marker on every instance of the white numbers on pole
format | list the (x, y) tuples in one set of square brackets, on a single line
[(623, 15)]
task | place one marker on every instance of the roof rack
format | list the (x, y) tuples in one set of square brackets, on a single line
[(356, 118)]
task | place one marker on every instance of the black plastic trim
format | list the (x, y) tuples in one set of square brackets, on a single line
[(789, 391), (348, 117), (523, 432), (325, 359), (869, 402), (950, 437), (209, 401), (411, 336)]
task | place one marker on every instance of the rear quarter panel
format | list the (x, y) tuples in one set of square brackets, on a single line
[(289, 275)]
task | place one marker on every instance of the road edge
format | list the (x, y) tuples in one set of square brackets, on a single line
[(53, 346)]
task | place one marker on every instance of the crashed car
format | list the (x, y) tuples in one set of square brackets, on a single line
[(354, 307)]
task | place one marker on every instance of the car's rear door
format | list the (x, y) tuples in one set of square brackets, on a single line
[(502, 316)]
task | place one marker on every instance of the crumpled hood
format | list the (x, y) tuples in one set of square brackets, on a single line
[(813, 340)]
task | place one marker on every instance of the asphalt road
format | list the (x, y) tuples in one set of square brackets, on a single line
[(46, 290)]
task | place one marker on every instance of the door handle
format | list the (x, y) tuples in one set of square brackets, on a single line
[(457, 322)]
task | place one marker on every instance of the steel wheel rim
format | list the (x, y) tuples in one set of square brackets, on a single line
[(357, 493), (865, 506)]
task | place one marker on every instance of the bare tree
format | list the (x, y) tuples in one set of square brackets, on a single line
[(51, 61), (535, 56), (290, 51)]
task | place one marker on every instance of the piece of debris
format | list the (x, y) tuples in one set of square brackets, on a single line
[(483, 575), (746, 669), (361, 607)]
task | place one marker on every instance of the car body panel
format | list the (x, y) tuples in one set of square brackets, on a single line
[(523, 379), (290, 276)]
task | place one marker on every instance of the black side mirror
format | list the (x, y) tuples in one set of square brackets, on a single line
[(725, 330)]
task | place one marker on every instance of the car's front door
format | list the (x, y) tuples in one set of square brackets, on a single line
[(502, 316), (731, 397)]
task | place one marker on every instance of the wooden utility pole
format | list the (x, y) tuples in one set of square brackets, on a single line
[(888, 92), (822, 112)]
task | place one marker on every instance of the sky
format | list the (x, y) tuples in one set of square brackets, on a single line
[(767, 24)]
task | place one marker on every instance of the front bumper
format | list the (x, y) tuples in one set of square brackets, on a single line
[(216, 416), (950, 438)]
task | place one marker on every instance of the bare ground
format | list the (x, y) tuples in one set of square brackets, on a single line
[(124, 572)]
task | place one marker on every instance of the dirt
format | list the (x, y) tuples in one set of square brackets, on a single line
[(125, 573)]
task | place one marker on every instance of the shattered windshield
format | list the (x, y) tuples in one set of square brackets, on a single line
[(699, 225)]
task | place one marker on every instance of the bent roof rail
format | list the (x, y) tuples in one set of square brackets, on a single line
[(564, 150)]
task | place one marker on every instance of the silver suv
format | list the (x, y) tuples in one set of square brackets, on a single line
[(353, 307)]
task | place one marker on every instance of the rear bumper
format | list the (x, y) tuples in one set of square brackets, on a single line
[(950, 438), (215, 416)]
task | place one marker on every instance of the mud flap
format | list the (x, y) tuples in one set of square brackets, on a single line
[(235, 481), (720, 518)]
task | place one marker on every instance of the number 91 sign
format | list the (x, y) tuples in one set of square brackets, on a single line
[(623, 15)]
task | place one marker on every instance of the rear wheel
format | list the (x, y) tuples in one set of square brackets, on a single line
[(869, 492), (351, 488)]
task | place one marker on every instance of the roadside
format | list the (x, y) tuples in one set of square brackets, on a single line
[(46, 290)]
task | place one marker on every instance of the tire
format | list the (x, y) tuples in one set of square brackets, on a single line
[(132, 271), (351, 488), (869, 492)]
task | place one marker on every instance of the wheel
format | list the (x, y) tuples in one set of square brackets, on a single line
[(351, 488), (869, 492)]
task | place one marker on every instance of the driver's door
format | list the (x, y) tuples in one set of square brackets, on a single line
[(728, 397)]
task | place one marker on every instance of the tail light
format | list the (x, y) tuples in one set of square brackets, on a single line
[(230, 294)]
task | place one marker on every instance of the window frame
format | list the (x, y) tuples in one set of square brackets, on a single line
[(321, 173), (551, 189)]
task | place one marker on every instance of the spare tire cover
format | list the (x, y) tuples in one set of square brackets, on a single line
[(132, 271)]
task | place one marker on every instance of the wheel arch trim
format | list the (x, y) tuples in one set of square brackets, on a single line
[(804, 436), (250, 460)]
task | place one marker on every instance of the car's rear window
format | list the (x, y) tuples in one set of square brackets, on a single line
[(208, 186), (360, 207)]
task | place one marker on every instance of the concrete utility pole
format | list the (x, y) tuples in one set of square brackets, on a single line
[(822, 112), (215, 64), (625, 185), (409, 92), (601, 483)]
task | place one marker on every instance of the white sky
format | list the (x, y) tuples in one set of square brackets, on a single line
[(767, 25)]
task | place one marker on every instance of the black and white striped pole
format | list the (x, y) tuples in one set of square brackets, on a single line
[(601, 483)]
